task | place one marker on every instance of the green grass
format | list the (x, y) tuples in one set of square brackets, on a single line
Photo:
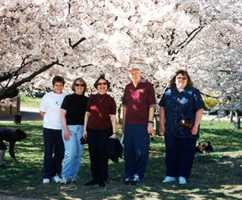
[(214, 176), (32, 102)]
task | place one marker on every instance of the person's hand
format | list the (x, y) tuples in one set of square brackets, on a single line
[(67, 134), (113, 136), (150, 129), (84, 134), (194, 130), (162, 130), (123, 127)]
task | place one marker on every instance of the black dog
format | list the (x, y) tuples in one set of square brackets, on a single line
[(10, 135), (204, 147)]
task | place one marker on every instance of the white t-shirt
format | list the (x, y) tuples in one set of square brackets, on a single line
[(50, 104)]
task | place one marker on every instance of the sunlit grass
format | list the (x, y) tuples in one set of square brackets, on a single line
[(212, 173), (27, 101)]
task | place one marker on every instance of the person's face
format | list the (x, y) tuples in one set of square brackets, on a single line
[(181, 81), (135, 74), (102, 86), (58, 87), (79, 87)]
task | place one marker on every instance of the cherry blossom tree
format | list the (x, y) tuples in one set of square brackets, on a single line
[(86, 38)]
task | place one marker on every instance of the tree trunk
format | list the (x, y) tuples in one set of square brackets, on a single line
[(231, 115), (237, 123)]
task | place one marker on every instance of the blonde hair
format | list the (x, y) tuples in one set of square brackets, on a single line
[(80, 80)]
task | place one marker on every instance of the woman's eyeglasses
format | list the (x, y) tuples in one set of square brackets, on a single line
[(79, 84)]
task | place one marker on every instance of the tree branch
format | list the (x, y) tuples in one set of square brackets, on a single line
[(82, 66), (227, 71), (34, 74), (69, 7), (9, 75), (77, 43), (23, 65), (5, 76), (190, 36), (172, 38), (5, 91)]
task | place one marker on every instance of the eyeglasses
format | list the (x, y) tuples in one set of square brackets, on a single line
[(79, 84), (133, 69), (102, 83), (181, 78)]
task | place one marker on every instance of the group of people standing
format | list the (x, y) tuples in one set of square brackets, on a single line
[(67, 118)]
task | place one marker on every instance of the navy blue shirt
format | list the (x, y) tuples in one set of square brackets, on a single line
[(180, 106)]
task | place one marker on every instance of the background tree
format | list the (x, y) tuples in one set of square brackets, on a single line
[(86, 38)]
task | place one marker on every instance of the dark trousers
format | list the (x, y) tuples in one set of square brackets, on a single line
[(53, 152), (136, 150), (180, 154), (2, 145), (97, 140)]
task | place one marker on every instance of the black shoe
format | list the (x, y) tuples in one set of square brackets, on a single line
[(132, 182), (101, 184), (127, 181), (106, 180), (92, 182)]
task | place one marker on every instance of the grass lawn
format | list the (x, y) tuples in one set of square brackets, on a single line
[(32, 102), (216, 175)]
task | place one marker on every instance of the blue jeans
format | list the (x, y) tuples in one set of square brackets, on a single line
[(136, 150), (73, 152)]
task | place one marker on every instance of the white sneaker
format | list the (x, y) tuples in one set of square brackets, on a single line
[(56, 179), (74, 179), (64, 180), (46, 180), (168, 179), (182, 180), (136, 178)]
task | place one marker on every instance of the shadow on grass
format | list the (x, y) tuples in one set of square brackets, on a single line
[(214, 176)]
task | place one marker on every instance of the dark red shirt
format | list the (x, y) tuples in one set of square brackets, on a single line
[(137, 101), (100, 107)]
